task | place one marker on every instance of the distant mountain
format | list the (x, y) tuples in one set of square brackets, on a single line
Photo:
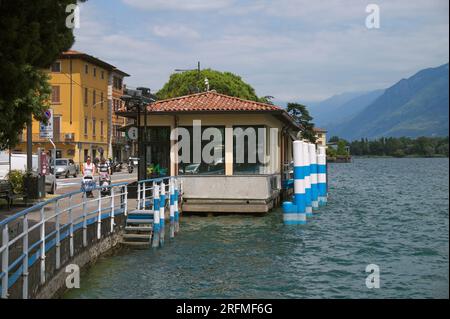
[(413, 107), (324, 112)]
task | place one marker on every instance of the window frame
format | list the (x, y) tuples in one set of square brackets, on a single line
[(58, 101)]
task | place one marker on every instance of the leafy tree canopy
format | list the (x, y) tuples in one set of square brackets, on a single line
[(32, 35), (301, 116), (227, 83)]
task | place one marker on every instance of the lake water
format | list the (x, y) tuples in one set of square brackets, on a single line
[(390, 212)]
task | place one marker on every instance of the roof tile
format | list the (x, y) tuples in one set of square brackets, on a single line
[(209, 101)]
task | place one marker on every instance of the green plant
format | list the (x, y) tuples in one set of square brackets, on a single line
[(16, 178)]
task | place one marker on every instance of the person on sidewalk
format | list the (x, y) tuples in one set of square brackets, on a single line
[(88, 171)]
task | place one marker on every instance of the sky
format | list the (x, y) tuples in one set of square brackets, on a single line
[(294, 50)]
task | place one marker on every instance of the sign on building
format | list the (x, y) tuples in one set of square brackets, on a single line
[(132, 133), (46, 130)]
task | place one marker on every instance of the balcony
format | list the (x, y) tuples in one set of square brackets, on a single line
[(61, 137)]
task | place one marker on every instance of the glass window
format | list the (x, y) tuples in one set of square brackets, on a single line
[(55, 94), (61, 162), (86, 96), (211, 159), (93, 127), (86, 69), (56, 67), (101, 128), (85, 126), (101, 99), (94, 98), (95, 72), (248, 150)]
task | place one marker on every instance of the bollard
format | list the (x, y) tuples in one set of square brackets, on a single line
[(307, 170), (322, 175), (162, 206), (175, 204), (172, 200), (294, 212), (314, 181), (156, 222)]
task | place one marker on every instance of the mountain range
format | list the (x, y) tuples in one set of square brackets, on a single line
[(417, 106)]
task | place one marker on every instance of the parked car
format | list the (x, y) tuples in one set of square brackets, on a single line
[(64, 167), (50, 184)]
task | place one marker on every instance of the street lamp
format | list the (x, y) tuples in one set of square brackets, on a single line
[(135, 100)]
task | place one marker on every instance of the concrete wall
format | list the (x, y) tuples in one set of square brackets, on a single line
[(236, 194)]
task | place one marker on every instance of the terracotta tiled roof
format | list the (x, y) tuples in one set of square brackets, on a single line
[(319, 130), (210, 102)]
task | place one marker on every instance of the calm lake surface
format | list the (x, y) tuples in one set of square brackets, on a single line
[(389, 212)]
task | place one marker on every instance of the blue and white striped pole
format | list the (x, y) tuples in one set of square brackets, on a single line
[(307, 168), (322, 175), (314, 181), (156, 221), (172, 200), (162, 205), (294, 212)]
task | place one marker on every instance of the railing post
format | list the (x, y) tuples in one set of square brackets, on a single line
[(84, 221), (25, 259), (5, 261), (125, 188), (162, 206), (112, 209), (71, 245), (143, 196), (42, 257), (139, 196), (99, 215), (58, 237), (156, 208)]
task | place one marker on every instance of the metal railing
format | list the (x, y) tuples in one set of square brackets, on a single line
[(29, 235), (172, 186)]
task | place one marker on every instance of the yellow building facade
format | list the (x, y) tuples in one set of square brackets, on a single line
[(82, 104)]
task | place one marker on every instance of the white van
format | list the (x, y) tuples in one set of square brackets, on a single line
[(19, 162)]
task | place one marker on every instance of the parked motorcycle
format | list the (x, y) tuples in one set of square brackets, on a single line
[(132, 163)]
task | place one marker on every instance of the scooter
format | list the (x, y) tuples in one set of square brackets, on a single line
[(87, 185)]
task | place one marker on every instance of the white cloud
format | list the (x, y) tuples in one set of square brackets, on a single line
[(174, 31), (322, 53), (182, 5)]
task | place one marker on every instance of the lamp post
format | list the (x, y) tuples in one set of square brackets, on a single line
[(137, 99)]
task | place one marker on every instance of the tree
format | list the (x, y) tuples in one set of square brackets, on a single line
[(190, 82), (301, 116), (32, 35)]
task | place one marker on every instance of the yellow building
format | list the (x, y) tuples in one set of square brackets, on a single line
[(82, 102), (321, 136)]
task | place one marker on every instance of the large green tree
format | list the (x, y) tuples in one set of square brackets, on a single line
[(32, 35), (189, 82), (301, 116)]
